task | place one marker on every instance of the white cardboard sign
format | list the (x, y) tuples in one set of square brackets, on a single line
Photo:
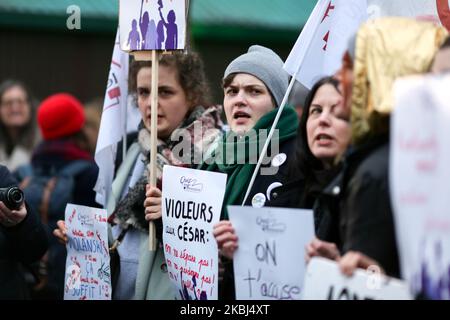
[(152, 25), (88, 275), (419, 182), (191, 205), (324, 281), (270, 261)]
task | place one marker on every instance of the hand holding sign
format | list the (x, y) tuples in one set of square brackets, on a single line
[(319, 248), (226, 238), (152, 203)]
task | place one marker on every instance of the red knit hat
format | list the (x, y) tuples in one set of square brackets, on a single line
[(60, 115)]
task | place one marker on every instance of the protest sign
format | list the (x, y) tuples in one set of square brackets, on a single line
[(419, 182), (88, 275), (191, 205), (270, 261), (152, 25), (324, 281), (149, 27)]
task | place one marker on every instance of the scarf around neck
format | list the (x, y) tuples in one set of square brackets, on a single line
[(130, 210), (239, 166)]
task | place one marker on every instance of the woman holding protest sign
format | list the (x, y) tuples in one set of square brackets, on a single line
[(182, 105), (254, 85), (61, 171), (382, 51)]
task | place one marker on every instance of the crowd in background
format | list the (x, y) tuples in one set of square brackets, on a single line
[(335, 141)]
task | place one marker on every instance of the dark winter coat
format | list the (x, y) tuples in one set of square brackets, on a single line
[(19, 246), (366, 222)]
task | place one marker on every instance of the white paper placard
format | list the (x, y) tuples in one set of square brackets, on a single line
[(324, 281), (88, 275), (191, 205), (270, 261)]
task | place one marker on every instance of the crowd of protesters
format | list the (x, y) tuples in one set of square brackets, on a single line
[(333, 158)]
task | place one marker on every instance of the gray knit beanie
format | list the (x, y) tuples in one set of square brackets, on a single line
[(264, 64)]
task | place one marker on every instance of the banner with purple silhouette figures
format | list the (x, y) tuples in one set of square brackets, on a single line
[(152, 25), (420, 182), (191, 206)]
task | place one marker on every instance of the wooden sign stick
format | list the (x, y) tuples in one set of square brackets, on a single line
[(154, 139)]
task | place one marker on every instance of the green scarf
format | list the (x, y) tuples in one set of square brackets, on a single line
[(239, 166)]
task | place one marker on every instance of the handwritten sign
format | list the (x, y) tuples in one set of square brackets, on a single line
[(87, 266), (324, 281), (191, 205), (270, 261), (152, 25), (419, 177)]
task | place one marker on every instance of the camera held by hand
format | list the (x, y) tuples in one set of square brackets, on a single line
[(12, 197)]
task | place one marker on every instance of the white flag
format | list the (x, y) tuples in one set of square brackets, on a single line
[(113, 122), (324, 39), (322, 42)]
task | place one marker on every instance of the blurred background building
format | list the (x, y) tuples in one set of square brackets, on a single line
[(37, 46)]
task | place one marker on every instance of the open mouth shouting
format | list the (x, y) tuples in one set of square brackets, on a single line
[(241, 117), (324, 139)]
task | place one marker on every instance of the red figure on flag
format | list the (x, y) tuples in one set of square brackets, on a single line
[(326, 41), (327, 13)]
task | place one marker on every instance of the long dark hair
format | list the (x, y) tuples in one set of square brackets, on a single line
[(304, 164), (28, 132)]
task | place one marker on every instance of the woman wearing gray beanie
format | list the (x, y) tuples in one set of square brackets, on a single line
[(254, 85)]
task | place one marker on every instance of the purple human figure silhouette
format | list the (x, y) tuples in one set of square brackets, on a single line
[(171, 28), (134, 38), (151, 37), (160, 34), (448, 280), (440, 285), (143, 24)]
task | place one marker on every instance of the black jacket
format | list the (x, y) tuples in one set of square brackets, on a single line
[(273, 199), (19, 245), (366, 223)]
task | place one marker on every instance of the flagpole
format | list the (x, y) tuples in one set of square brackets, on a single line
[(124, 139), (154, 140), (269, 137)]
